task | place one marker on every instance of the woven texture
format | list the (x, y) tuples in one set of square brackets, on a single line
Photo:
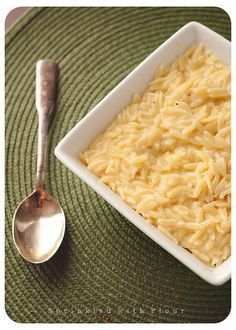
[(106, 269)]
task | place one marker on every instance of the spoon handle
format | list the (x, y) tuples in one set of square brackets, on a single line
[(46, 85)]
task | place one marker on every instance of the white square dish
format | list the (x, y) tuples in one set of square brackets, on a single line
[(95, 122)]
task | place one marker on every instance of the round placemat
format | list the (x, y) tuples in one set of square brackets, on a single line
[(106, 269)]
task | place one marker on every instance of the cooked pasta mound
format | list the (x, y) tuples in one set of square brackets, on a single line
[(168, 154)]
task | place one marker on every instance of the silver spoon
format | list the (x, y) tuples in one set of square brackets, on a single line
[(39, 221)]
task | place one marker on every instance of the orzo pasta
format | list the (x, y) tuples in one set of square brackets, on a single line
[(167, 154)]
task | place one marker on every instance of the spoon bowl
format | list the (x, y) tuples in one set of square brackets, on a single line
[(38, 227)]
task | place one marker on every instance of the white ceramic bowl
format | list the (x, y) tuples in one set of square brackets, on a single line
[(79, 138)]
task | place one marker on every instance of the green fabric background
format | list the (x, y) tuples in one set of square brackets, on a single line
[(104, 261)]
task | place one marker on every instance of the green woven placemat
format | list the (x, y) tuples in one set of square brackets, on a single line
[(106, 270)]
